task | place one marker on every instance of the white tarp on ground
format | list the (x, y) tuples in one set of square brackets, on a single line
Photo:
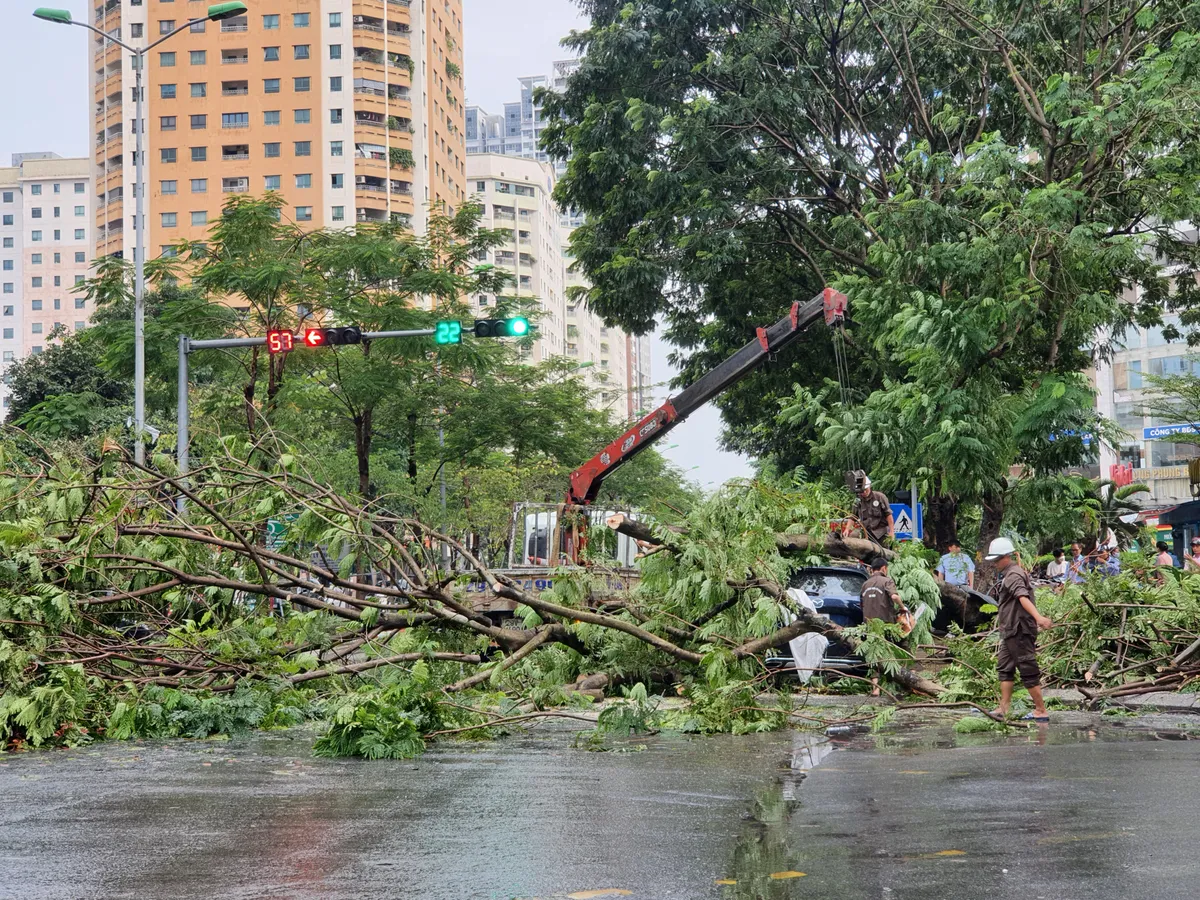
[(808, 649)]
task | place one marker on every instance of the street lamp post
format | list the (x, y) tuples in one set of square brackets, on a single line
[(215, 13)]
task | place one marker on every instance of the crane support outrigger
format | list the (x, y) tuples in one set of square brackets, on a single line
[(587, 480)]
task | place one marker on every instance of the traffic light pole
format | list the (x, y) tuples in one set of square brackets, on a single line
[(187, 347)]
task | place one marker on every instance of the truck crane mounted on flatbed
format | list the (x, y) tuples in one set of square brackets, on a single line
[(587, 480)]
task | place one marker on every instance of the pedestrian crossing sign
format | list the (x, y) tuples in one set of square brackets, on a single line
[(909, 523)]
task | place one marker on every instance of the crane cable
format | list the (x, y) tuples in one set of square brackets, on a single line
[(843, 378)]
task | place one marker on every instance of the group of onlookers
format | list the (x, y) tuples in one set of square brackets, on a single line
[(1104, 560)]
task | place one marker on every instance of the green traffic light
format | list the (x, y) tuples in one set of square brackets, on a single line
[(448, 332), (518, 327)]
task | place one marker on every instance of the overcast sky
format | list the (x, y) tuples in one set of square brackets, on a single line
[(44, 106)]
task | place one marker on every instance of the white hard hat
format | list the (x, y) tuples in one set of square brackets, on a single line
[(866, 481), (1000, 547)]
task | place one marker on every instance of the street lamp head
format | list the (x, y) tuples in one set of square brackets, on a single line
[(585, 365), (62, 16), (219, 11)]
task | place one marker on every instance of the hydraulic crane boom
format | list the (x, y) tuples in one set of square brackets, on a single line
[(588, 478)]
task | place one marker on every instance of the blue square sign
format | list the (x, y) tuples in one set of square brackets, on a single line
[(909, 524)]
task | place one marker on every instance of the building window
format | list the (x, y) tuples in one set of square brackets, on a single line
[(335, 20), (166, 59), (271, 117), (301, 85), (37, 328), (235, 120), (304, 148), (36, 350), (271, 183), (79, 326), (335, 84), (168, 251), (80, 303), (270, 150), (8, 310), (58, 212), (303, 213), (8, 197), (58, 281), (166, 26), (335, 51), (8, 334), (35, 235), (80, 211), (199, 185), (166, 91), (300, 51), (80, 256), (199, 217), (481, 186), (270, 23), (35, 189), (304, 181), (135, 30), (8, 220), (270, 54), (167, 187), (199, 154), (167, 155), (199, 122), (79, 234), (57, 234), (57, 257), (302, 116), (339, 214), (337, 180), (335, 148), (36, 260), (36, 212), (168, 220), (36, 281), (199, 89), (335, 117), (198, 27), (198, 57), (80, 187), (299, 20), (270, 85)]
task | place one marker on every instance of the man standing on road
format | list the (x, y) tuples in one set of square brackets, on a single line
[(874, 511), (955, 567), (1107, 563), (1018, 621), (880, 600), (1191, 561)]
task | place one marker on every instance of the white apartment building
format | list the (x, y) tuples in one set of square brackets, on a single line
[(517, 198), (615, 364), (45, 250)]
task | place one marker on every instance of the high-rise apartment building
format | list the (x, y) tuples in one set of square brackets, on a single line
[(45, 250), (617, 364), (516, 196), (351, 109)]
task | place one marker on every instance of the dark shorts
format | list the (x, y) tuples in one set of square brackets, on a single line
[(1019, 652)]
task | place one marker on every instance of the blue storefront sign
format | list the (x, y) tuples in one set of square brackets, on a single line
[(1158, 432), (908, 523)]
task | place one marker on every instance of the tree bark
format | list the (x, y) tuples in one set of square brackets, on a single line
[(362, 450), (941, 519), (989, 530), (412, 447)]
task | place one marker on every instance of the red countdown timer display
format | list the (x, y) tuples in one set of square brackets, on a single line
[(280, 341)]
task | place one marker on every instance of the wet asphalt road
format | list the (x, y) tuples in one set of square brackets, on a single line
[(928, 815)]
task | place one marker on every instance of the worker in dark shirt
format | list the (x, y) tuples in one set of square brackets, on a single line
[(1018, 622), (880, 600), (874, 511)]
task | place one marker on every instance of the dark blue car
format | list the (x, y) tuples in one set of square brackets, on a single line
[(836, 592)]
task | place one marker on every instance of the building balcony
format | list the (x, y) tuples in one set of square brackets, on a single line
[(235, 151), (235, 185), (235, 25), (234, 59), (234, 88), (104, 10)]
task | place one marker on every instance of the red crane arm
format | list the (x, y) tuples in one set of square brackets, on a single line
[(588, 478)]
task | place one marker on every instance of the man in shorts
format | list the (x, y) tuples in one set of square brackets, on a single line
[(1018, 621)]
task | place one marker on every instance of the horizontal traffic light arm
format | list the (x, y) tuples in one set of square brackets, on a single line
[(228, 343)]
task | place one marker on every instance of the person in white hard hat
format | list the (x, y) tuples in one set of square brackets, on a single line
[(874, 511), (1018, 621)]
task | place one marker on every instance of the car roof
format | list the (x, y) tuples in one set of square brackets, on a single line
[(829, 570)]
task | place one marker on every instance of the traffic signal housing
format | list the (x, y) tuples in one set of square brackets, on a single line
[(518, 326), (332, 337)]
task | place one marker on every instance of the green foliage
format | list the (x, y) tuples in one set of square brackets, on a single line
[(42, 387), (400, 158), (977, 725), (386, 723)]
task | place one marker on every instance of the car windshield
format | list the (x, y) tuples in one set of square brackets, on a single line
[(822, 584)]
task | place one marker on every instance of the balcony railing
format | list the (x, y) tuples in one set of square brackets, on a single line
[(376, 188), (235, 188), (226, 26), (234, 60), (243, 155), (235, 124), (377, 92), (367, 26), (234, 92)]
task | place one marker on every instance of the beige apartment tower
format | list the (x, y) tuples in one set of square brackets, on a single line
[(352, 110)]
